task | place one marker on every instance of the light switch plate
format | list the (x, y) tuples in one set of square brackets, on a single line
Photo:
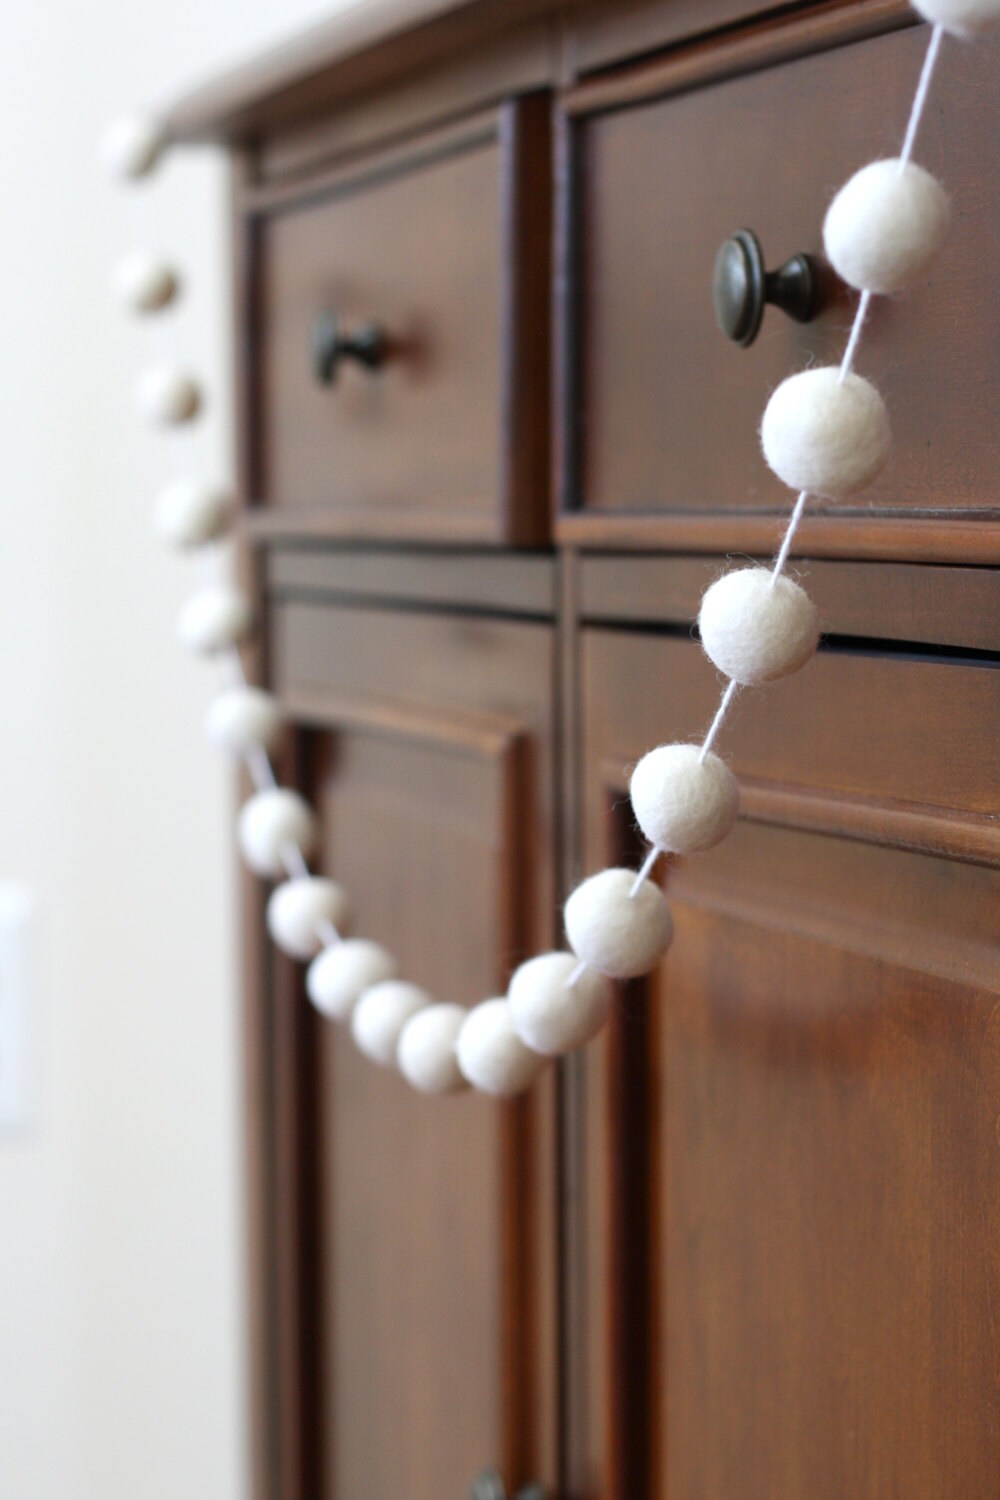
[(20, 1028)]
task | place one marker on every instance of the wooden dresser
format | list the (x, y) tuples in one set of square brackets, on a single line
[(746, 1246)]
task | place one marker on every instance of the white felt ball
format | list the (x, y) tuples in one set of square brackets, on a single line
[(167, 395), (190, 512), (614, 932), (681, 802), (131, 146), (243, 719), (380, 1015), (960, 17), (214, 618), (549, 1014), (339, 976), (755, 627), (145, 283), (272, 823), (427, 1057), (885, 226), (825, 436), (491, 1054), (300, 910)]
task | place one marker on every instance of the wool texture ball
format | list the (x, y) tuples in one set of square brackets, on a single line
[(190, 512), (300, 911), (381, 1013), (826, 436), (427, 1057), (965, 18), (614, 932), (145, 283), (549, 1014), (272, 823), (682, 803), (214, 619), (131, 146), (492, 1056), (757, 628), (885, 226), (167, 396), (339, 976), (241, 720)]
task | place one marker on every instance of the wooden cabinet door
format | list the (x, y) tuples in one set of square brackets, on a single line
[(414, 1254), (786, 1261)]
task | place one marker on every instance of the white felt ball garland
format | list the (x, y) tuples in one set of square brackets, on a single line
[(757, 628), (827, 435), (168, 396), (273, 823), (490, 1053), (964, 18), (244, 719), (427, 1053), (301, 910), (340, 975), (145, 283), (132, 145), (684, 801), (825, 432), (190, 513), (214, 619), (885, 226), (381, 1013), (552, 1014)]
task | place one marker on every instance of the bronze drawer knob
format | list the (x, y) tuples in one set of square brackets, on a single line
[(741, 287), (331, 343)]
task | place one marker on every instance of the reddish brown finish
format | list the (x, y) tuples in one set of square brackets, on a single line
[(745, 1246), (667, 409)]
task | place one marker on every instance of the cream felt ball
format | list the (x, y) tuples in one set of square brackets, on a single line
[(271, 824), (492, 1056), (339, 976), (885, 226), (167, 395), (965, 18), (381, 1013), (826, 436), (190, 512), (299, 911), (145, 283), (427, 1057), (213, 619), (757, 628), (684, 803), (243, 719), (131, 146), (551, 1015), (614, 932)]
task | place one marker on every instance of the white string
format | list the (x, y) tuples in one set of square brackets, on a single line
[(864, 302), (720, 713), (920, 97)]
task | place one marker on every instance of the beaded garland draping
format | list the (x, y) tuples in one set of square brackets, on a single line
[(825, 433)]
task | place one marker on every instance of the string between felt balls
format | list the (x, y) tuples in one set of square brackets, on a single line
[(920, 97)]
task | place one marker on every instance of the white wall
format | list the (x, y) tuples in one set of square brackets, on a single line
[(121, 1340)]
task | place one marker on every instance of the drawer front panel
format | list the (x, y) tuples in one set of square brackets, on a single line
[(796, 1116), (445, 248), (666, 408), (426, 745)]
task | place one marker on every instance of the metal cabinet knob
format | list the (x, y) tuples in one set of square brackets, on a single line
[(331, 344), (489, 1486), (742, 288)]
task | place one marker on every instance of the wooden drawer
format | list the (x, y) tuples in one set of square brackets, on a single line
[(444, 245), (662, 163), (790, 1180)]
